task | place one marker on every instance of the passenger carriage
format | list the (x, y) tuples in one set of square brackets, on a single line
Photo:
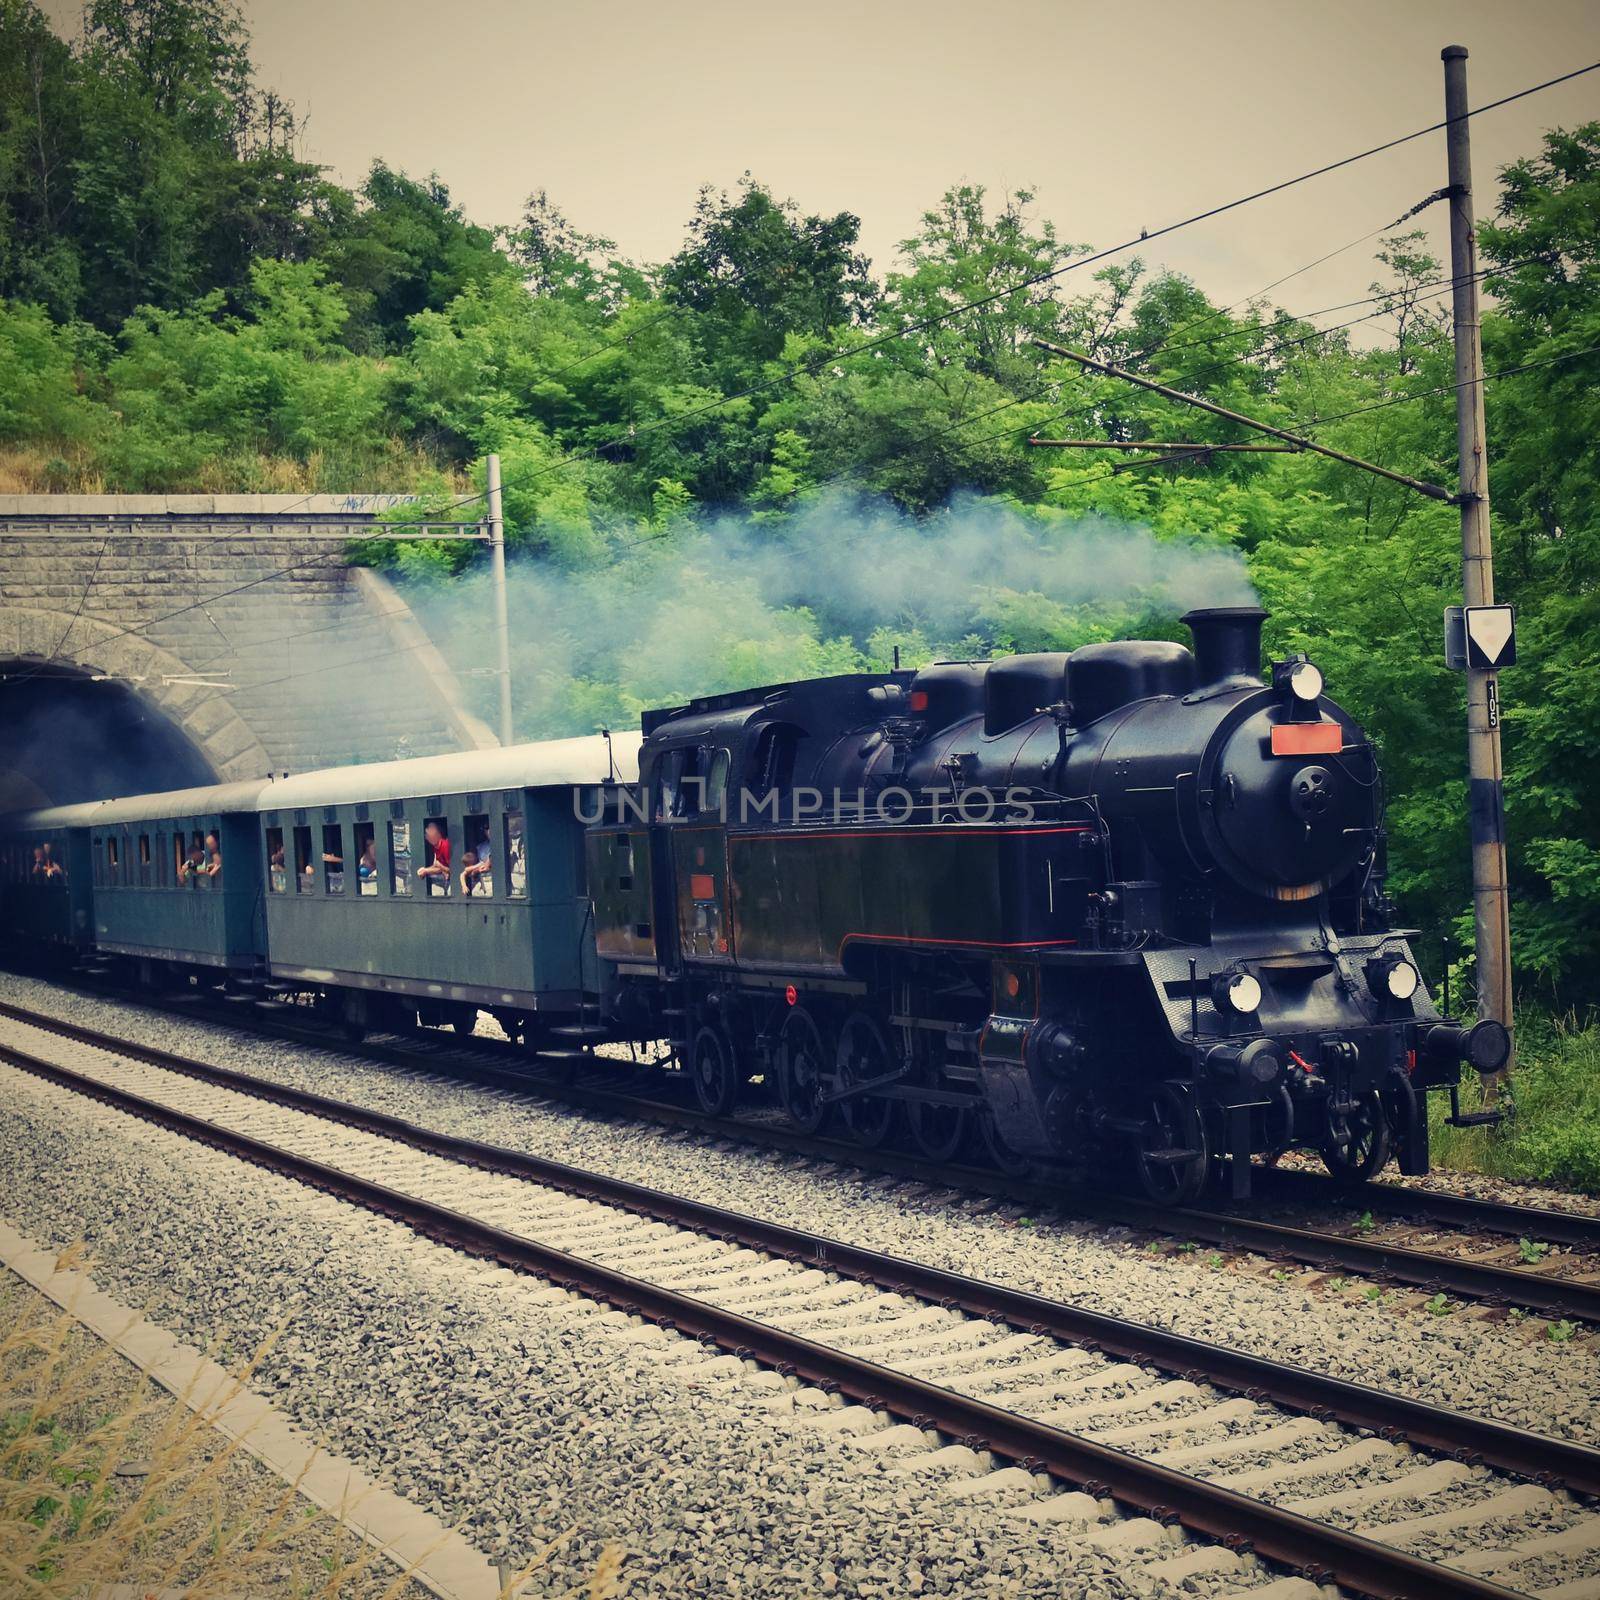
[(51, 911), (366, 903)]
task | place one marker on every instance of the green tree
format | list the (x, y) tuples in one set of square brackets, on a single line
[(963, 254), (39, 258), (402, 248), (754, 271)]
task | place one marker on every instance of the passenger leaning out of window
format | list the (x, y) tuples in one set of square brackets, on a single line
[(211, 866), (194, 861), (476, 865), (367, 867), (36, 871), (54, 872), (439, 867)]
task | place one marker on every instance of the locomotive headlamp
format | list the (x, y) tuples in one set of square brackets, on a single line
[(1402, 980), (1302, 678), (1393, 978), (1305, 682), (1238, 991)]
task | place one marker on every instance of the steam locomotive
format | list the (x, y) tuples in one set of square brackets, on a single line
[(1120, 907), (1119, 911)]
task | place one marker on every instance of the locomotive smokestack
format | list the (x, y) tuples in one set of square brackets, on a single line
[(1227, 644)]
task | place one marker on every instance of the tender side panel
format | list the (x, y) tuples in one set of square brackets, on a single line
[(803, 899)]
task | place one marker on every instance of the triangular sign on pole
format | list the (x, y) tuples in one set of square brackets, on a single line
[(1491, 637)]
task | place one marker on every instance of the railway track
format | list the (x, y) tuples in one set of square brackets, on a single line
[(1156, 1421), (1564, 1285)]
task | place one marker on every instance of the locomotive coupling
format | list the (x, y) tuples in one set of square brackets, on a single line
[(1255, 1062), (1484, 1046)]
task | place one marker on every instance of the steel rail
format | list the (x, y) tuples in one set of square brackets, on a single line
[(1373, 1258), (1322, 1553), (1428, 1271), (1431, 1271), (1550, 1461), (1578, 1229)]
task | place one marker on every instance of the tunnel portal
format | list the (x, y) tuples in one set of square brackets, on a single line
[(68, 735)]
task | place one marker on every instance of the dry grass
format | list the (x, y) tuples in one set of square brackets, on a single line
[(107, 1479), (43, 469), (386, 465)]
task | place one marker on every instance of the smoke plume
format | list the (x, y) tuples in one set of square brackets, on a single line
[(728, 602)]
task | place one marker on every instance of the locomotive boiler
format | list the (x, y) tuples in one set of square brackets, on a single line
[(1120, 909)]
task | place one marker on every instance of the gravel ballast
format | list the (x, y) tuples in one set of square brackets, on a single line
[(1454, 1360), (524, 1412)]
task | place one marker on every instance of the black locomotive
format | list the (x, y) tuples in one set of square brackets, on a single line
[(1118, 906)]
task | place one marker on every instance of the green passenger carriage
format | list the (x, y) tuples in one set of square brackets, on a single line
[(440, 885)]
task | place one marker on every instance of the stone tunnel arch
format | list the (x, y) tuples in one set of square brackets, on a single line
[(89, 710)]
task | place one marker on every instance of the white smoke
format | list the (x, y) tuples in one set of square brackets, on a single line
[(733, 601)]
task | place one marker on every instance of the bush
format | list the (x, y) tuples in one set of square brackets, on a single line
[(1553, 1136)]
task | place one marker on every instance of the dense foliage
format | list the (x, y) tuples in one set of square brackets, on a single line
[(690, 445)]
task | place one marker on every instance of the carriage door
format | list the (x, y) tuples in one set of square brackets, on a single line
[(699, 842)]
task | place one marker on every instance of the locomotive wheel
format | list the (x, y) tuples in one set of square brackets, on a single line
[(1000, 1154), (936, 1131), (1358, 1142), (865, 1053), (805, 1067), (1171, 1123), (716, 1076)]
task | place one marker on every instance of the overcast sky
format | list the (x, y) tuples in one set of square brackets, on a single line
[(1120, 116)]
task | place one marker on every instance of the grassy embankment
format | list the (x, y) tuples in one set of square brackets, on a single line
[(107, 1480), (1554, 1136)]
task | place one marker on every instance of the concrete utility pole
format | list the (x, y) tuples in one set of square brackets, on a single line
[(1490, 896), (502, 620)]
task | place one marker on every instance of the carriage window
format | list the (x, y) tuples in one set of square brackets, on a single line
[(435, 868), (144, 860), (516, 859), (477, 858), (305, 875), (277, 869), (111, 860), (333, 858), (400, 855), (366, 858)]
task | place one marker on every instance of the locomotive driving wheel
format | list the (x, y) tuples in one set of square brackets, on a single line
[(937, 1131), (1000, 1155), (714, 1071), (1170, 1153), (805, 1068), (1359, 1138), (864, 1054)]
